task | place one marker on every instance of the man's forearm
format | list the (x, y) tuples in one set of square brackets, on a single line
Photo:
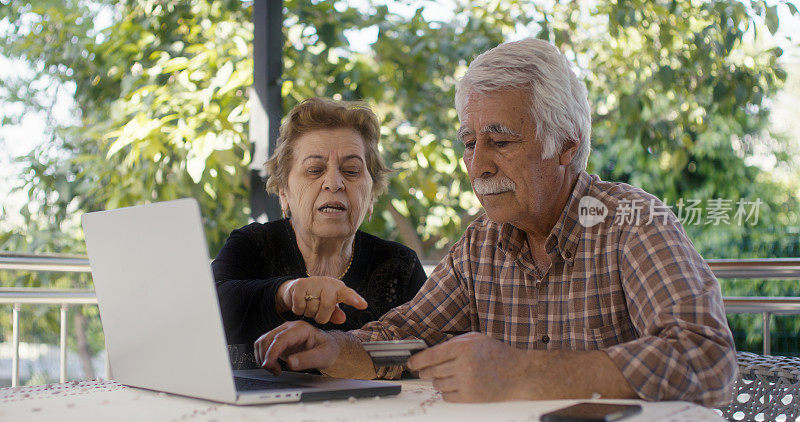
[(572, 374), (353, 361)]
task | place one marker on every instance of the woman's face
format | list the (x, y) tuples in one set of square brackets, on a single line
[(329, 187)]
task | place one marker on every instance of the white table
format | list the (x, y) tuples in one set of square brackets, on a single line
[(111, 401)]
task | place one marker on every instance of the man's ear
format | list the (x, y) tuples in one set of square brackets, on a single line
[(568, 152)]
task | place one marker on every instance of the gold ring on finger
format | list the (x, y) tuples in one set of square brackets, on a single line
[(309, 297)]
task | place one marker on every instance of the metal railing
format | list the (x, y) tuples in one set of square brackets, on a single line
[(774, 269), (65, 298), (41, 262), (779, 268)]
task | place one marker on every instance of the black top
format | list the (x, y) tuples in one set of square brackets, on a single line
[(257, 258)]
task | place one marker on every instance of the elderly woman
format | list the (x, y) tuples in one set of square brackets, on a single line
[(315, 263)]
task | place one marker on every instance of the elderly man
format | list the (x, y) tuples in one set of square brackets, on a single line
[(567, 286)]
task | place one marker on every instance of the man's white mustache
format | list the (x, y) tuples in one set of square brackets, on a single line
[(493, 186)]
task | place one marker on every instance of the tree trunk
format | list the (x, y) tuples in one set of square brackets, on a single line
[(82, 344), (408, 234)]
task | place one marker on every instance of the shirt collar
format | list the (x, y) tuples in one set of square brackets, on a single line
[(566, 233), (511, 239)]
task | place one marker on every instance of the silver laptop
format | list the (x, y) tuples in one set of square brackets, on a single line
[(161, 317)]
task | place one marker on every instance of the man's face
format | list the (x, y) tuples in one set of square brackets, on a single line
[(504, 159)]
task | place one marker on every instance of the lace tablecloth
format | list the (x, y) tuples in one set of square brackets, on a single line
[(110, 401)]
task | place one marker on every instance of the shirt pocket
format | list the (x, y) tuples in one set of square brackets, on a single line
[(618, 332)]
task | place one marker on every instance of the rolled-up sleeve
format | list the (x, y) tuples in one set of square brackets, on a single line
[(685, 349), (439, 309)]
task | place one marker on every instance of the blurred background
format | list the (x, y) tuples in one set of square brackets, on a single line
[(106, 104)]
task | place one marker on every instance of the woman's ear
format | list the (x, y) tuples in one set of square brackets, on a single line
[(568, 153), (284, 202), (371, 206), (282, 197)]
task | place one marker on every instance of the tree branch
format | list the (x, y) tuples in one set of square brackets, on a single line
[(406, 231)]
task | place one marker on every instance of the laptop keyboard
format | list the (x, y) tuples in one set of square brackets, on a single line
[(250, 384)]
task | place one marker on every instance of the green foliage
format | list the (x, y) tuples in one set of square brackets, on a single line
[(679, 100), (163, 110), (163, 115), (178, 127)]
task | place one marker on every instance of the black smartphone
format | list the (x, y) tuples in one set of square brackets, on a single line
[(592, 412)]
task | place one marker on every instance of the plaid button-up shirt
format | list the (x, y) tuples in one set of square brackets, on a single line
[(631, 285)]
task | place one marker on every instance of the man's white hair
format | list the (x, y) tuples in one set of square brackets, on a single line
[(558, 101)]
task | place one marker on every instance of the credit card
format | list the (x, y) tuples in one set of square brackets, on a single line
[(393, 352)]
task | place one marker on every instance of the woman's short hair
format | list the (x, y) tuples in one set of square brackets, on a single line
[(323, 113), (558, 104)]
